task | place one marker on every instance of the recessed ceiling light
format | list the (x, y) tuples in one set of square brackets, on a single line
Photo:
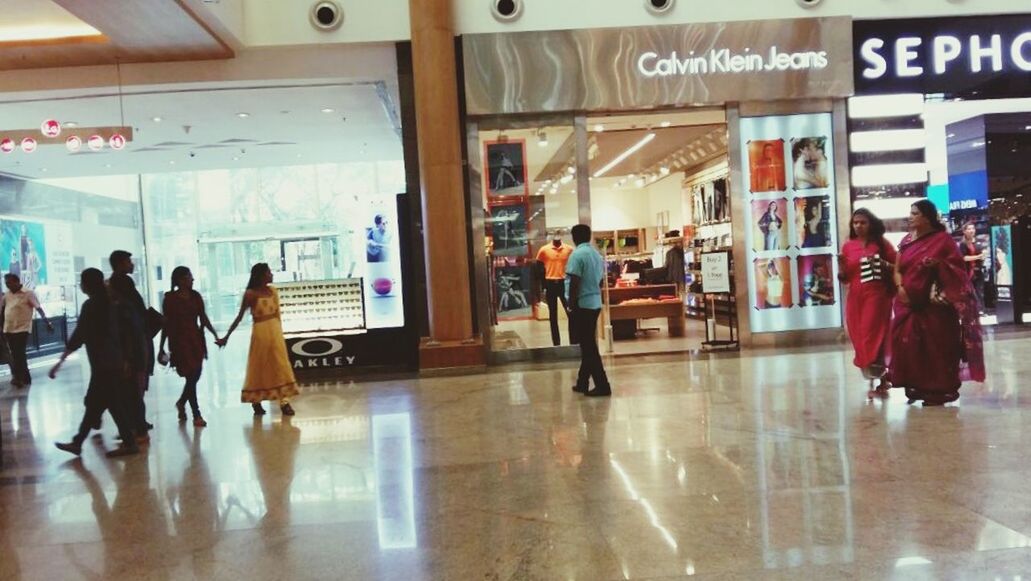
[(599, 128), (243, 115), (43, 169), (171, 162), (236, 158), (950, 136), (665, 124), (1027, 128), (156, 119), (107, 165), (298, 155), (71, 124), (328, 110)]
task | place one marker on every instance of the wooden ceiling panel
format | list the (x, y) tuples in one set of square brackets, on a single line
[(134, 31)]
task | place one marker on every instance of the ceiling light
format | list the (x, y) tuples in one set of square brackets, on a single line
[(639, 182), (599, 128), (107, 165), (566, 179), (630, 151), (665, 124), (236, 158), (1027, 128), (243, 115), (542, 139), (171, 162), (43, 169), (977, 144), (664, 170), (71, 124), (156, 119), (950, 136), (50, 31), (571, 170), (328, 110)]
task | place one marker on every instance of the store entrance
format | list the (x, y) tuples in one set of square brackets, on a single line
[(655, 190), (659, 202)]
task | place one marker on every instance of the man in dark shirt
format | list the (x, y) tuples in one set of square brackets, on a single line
[(97, 330), (139, 345)]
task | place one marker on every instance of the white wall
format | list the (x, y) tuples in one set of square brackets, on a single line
[(285, 22), (562, 210), (665, 195)]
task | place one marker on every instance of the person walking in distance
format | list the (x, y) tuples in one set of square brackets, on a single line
[(269, 374), (16, 310), (110, 385), (185, 321), (123, 288), (584, 271)]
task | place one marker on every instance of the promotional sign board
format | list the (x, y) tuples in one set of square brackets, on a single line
[(979, 56), (715, 272), (788, 168)]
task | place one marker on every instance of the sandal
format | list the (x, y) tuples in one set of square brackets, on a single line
[(181, 407)]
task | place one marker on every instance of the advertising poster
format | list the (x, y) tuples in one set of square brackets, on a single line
[(23, 251), (766, 165), (770, 226), (506, 168), (60, 263), (816, 286), (773, 283), (812, 222), (1002, 250), (507, 228), (789, 162), (512, 289), (384, 306)]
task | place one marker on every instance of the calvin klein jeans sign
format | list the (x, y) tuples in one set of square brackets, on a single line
[(977, 56), (725, 61), (619, 69)]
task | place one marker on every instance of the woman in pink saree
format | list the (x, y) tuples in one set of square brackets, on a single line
[(936, 334), (865, 265)]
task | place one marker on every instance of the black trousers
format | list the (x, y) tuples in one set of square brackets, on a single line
[(109, 390), (18, 342), (555, 291), (585, 324)]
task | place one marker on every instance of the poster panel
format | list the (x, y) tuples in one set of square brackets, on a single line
[(788, 165), (23, 251)]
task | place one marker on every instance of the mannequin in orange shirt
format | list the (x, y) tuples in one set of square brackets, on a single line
[(554, 257)]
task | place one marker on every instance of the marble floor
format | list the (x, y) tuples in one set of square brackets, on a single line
[(763, 465)]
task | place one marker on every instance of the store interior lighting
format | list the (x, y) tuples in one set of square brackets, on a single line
[(887, 140), (621, 157), (888, 174), (882, 106)]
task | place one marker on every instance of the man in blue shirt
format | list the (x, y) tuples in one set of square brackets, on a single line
[(584, 272)]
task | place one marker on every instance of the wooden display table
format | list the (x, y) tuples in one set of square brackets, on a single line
[(672, 310)]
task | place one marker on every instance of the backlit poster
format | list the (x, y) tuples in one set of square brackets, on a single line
[(788, 165), (23, 251), (381, 270)]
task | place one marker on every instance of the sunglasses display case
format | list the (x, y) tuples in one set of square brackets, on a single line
[(321, 306)]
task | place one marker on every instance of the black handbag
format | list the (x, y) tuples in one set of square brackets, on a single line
[(153, 321)]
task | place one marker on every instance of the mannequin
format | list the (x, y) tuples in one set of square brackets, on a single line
[(554, 256)]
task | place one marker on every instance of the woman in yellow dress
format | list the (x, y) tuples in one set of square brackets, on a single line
[(269, 374)]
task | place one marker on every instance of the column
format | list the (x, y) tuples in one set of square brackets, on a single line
[(451, 342)]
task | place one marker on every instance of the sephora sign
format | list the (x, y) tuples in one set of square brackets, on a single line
[(984, 57)]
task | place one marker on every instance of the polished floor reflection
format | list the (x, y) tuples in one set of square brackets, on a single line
[(760, 466)]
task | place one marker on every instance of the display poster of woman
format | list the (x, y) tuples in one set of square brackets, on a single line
[(809, 163), (812, 222), (766, 166), (770, 230), (1003, 256), (816, 285), (772, 283)]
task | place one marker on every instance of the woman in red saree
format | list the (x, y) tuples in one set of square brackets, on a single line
[(936, 334), (865, 265)]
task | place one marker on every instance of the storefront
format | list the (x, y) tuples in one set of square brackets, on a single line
[(308, 177), (708, 158), (943, 111)]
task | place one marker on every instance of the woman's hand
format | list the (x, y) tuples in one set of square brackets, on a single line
[(162, 357), (903, 295), (55, 369), (222, 342)]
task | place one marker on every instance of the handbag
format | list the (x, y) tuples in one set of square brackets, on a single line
[(153, 321)]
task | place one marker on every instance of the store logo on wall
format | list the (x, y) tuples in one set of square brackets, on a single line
[(717, 61), (986, 56), (320, 352)]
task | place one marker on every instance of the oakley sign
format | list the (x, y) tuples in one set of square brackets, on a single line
[(985, 56), (320, 352), (651, 64)]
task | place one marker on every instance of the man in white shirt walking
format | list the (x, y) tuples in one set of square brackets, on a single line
[(16, 310)]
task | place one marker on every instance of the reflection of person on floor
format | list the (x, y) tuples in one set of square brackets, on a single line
[(193, 506), (512, 295), (506, 173), (817, 287), (770, 224), (274, 451), (810, 164), (774, 286)]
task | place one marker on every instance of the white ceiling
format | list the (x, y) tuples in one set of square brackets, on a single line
[(200, 129)]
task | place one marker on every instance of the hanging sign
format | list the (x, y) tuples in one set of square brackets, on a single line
[(28, 145), (7, 145), (95, 142), (50, 128), (73, 143), (117, 142)]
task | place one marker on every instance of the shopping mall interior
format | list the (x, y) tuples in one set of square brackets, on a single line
[(411, 176)]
